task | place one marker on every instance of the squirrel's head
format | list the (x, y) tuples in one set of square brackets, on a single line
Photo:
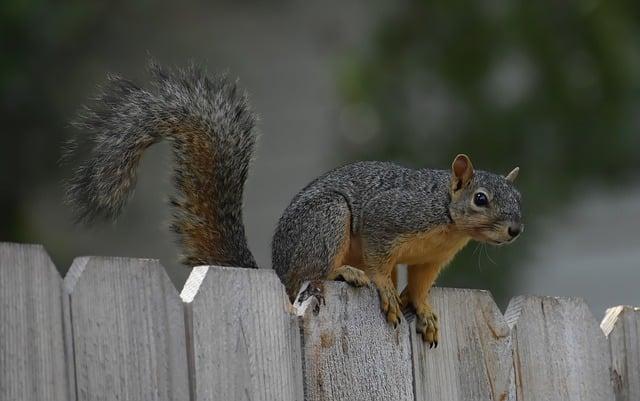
[(484, 205)]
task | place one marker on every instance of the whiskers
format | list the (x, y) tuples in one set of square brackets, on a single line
[(475, 251), (480, 249), (486, 252)]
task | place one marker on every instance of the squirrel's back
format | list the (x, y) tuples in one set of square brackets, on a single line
[(211, 128), (359, 181)]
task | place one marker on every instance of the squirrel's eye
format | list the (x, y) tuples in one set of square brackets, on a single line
[(480, 199)]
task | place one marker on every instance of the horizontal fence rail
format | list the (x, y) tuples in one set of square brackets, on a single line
[(117, 329)]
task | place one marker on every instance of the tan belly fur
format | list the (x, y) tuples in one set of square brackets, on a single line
[(436, 247)]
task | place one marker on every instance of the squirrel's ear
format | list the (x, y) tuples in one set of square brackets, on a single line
[(462, 172), (511, 177)]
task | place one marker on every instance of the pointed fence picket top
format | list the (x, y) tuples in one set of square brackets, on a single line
[(33, 364), (350, 352), (128, 331), (621, 325), (116, 329), (559, 351), (243, 343), (473, 359)]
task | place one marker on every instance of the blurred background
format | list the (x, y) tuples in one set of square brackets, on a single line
[(551, 86)]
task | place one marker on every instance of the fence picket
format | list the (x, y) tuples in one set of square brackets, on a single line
[(473, 360), (350, 352), (560, 353), (621, 325), (128, 331), (33, 363), (116, 329), (242, 342)]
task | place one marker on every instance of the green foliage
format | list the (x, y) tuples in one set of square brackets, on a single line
[(550, 86)]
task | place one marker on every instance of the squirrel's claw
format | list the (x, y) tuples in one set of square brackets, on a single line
[(351, 275), (390, 304), (427, 326)]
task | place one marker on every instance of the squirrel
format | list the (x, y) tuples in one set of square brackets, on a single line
[(354, 223)]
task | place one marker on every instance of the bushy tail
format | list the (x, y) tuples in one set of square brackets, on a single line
[(211, 127)]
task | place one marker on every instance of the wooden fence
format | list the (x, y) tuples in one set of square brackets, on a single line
[(116, 329)]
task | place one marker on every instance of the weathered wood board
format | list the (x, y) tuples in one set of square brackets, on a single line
[(473, 359), (560, 353), (116, 329), (350, 352), (128, 331), (621, 325), (33, 363), (242, 338)]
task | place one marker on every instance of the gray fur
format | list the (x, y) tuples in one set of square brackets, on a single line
[(194, 112), (385, 201), (212, 131)]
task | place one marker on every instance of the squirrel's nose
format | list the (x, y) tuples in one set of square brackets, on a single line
[(514, 229)]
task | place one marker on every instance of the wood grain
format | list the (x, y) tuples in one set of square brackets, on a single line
[(242, 338), (128, 331), (116, 329), (560, 353), (621, 325), (473, 360), (33, 363), (350, 352)]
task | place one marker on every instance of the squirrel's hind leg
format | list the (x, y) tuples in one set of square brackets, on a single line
[(312, 242)]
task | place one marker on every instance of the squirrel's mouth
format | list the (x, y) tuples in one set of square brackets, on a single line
[(499, 243), (497, 238)]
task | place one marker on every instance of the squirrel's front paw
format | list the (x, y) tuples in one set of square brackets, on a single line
[(427, 325), (351, 275), (390, 303)]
